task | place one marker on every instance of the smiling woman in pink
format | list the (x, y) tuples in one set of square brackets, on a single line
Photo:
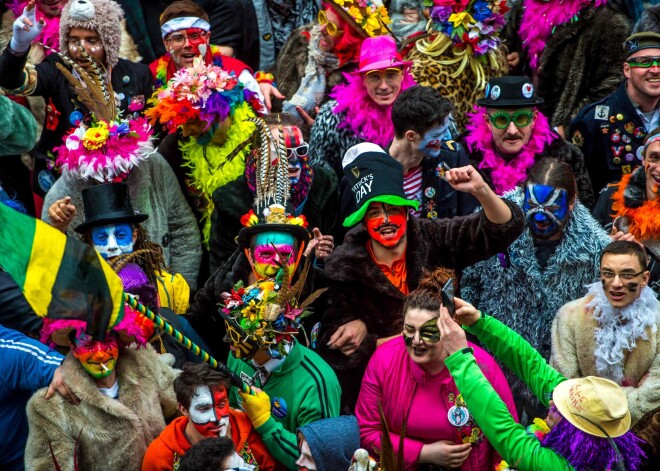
[(408, 377)]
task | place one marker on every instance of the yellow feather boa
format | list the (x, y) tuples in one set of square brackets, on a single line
[(213, 170)]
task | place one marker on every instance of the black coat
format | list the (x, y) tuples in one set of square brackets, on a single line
[(565, 152), (130, 81), (358, 289), (601, 130)]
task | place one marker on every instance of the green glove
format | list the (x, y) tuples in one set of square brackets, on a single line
[(257, 407)]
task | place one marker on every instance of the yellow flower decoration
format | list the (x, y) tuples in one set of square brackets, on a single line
[(355, 13), (462, 18), (96, 136)]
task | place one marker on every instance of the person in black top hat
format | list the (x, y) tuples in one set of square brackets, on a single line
[(507, 135), (383, 257), (611, 131)]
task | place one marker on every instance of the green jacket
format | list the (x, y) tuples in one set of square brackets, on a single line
[(302, 390), (510, 439)]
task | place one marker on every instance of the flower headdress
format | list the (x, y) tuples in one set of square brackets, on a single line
[(268, 312), (469, 28), (369, 15), (103, 145), (201, 92)]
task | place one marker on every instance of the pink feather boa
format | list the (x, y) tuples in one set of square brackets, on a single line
[(506, 175), (369, 121), (134, 327), (534, 32), (50, 35)]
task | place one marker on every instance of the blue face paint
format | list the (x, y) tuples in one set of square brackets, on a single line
[(273, 250), (113, 239), (546, 210), (432, 140)]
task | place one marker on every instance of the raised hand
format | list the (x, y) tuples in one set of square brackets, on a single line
[(26, 28)]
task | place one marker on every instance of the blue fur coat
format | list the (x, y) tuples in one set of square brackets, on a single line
[(525, 297)]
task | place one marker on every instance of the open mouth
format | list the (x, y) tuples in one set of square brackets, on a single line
[(617, 295), (419, 351), (388, 232)]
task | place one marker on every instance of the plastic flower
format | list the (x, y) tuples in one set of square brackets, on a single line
[(298, 220), (440, 14), (462, 18), (457, 5), (249, 219), (481, 11), (355, 13), (96, 136)]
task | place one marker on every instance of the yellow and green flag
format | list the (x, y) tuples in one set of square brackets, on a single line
[(61, 277)]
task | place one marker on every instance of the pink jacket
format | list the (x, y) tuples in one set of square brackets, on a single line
[(394, 380)]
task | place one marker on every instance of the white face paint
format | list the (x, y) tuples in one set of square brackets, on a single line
[(432, 139), (209, 411), (306, 460), (113, 239)]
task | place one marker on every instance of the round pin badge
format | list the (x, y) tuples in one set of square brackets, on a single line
[(616, 137), (458, 416), (616, 160), (639, 153), (628, 148), (429, 192), (626, 139), (629, 157), (528, 90), (278, 407), (619, 117), (495, 92), (75, 118)]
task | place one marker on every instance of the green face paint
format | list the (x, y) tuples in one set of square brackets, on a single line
[(428, 333)]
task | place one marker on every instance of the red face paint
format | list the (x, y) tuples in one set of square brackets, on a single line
[(97, 358), (386, 223), (209, 411)]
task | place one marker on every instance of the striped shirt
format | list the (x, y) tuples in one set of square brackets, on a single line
[(412, 187)]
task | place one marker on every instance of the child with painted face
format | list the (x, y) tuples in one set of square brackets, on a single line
[(202, 394)]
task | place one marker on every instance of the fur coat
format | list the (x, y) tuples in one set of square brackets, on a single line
[(358, 289), (581, 63), (155, 191), (526, 297), (111, 433), (573, 355)]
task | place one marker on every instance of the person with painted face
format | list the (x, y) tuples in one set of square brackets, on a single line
[(612, 332), (92, 25), (548, 265), (186, 34), (313, 192), (423, 145), (202, 393), (407, 378), (383, 256), (632, 206), (125, 393), (507, 135), (360, 110)]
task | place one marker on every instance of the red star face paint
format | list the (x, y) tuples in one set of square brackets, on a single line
[(386, 223), (271, 250), (209, 411)]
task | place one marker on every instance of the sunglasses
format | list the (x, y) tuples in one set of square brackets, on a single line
[(520, 118), (644, 62), (330, 27), (300, 151), (391, 76)]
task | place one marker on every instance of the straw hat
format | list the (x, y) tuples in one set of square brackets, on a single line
[(592, 404)]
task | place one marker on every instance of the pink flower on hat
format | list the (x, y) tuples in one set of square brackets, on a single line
[(457, 5)]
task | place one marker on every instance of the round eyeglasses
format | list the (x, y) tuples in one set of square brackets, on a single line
[(521, 118)]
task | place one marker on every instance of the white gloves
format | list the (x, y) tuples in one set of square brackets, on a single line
[(26, 29)]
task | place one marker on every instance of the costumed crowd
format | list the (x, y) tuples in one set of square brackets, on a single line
[(330, 235)]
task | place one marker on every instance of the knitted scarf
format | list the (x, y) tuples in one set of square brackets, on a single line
[(620, 329), (506, 174), (369, 121), (630, 201), (540, 19)]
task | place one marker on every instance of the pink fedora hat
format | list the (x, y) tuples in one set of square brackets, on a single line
[(380, 53)]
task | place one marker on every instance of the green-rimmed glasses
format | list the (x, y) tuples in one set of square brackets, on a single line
[(644, 62), (521, 118)]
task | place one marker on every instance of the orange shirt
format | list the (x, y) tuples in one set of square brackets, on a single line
[(397, 273)]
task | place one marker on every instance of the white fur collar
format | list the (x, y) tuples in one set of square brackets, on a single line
[(619, 329)]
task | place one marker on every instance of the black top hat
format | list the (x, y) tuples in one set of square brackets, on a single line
[(106, 204), (268, 222), (373, 176), (639, 41), (510, 92)]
